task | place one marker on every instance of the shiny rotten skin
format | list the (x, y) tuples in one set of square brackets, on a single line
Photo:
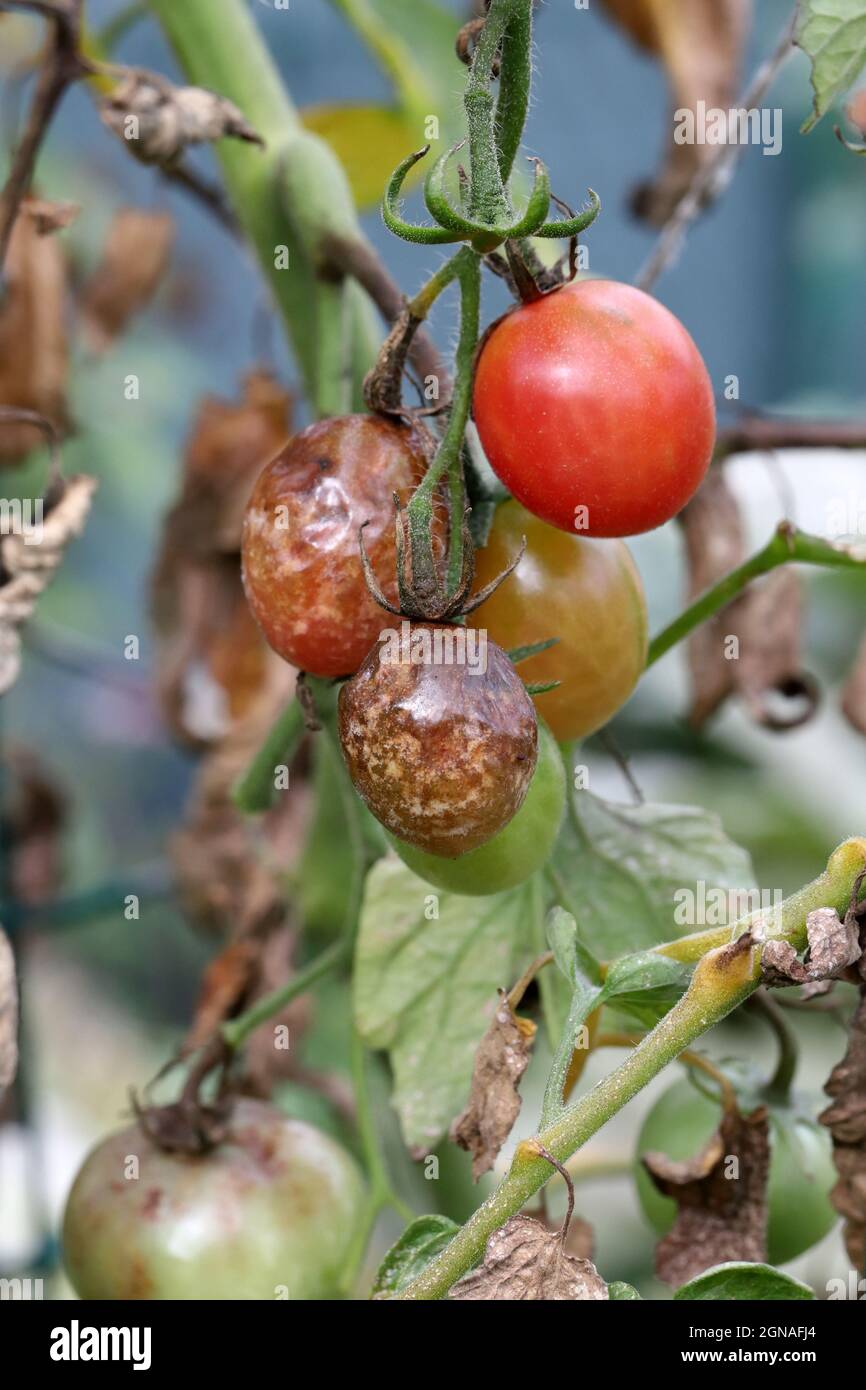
[(517, 851), (301, 562), (269, 1213), (587, 593), (595, 397), (442, 753), (801, 1168)]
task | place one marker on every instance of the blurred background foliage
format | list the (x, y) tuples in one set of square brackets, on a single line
[(772, 285)]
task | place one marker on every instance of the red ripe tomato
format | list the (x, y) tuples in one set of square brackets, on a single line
[(301, 563), (595, 397), (586, 592)]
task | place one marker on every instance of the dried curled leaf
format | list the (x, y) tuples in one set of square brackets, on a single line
[(751, 648), (28, 564), (715, 542), (34, 356), (700, 43), (721, 1196), (834, 946), (213, 664), (8, 1015), (854, 692), (32, 824), (134, 260), (494, 1101), (525, 1261), (158, 120), (845, 1118)]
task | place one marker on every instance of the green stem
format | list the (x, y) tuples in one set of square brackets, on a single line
[(780, 1085), (466, 267), (237, 1030), (514, 87), (723, 979), (786, 546), (487, 202), (256, 791), (381, 1194), (420, 306), (288, 195)]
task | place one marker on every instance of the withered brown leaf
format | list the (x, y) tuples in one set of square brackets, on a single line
[(845, 1118), (32, 825), (29, 564), (213, 665), (134, 259), (715, 544), (527, 1262), (700, 43), (225, 982), (34, 355), (158, 120), (770, 620), (494, 1101), (8, 1015), (722, 1205), (854, 692), (834, 945), (750, 648)]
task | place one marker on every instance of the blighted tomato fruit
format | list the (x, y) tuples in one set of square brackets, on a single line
[(517, 851), (439, 736), (269, 1213), (595, 409), (301, 562)]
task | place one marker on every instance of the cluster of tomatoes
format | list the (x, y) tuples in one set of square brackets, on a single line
[(595, 410)]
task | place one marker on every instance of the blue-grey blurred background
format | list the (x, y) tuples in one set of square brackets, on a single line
[(772, 285)]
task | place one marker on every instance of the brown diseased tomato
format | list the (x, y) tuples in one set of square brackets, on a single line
[(442, 752), (584, 591), (301, 562)]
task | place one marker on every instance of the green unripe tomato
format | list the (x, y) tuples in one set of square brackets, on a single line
[(801, 1168), (517, 851), (269, 1213)]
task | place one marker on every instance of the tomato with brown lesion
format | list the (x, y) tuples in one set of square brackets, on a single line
[(442, 753), (301, 559)]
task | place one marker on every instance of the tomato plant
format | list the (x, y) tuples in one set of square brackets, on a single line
[(269, 1213), (595, 409), (423, 929), (801, 1170), (589, 594), (516, 852), (302, 571)]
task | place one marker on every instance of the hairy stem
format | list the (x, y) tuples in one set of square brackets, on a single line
[(786, 546), (724, 977), (514, 86)]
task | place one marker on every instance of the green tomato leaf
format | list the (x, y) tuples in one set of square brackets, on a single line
[(421, 1242), (427, 969), (833, 35), (742, 1281), (620, 868), (646, 986), (622, 1292)]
